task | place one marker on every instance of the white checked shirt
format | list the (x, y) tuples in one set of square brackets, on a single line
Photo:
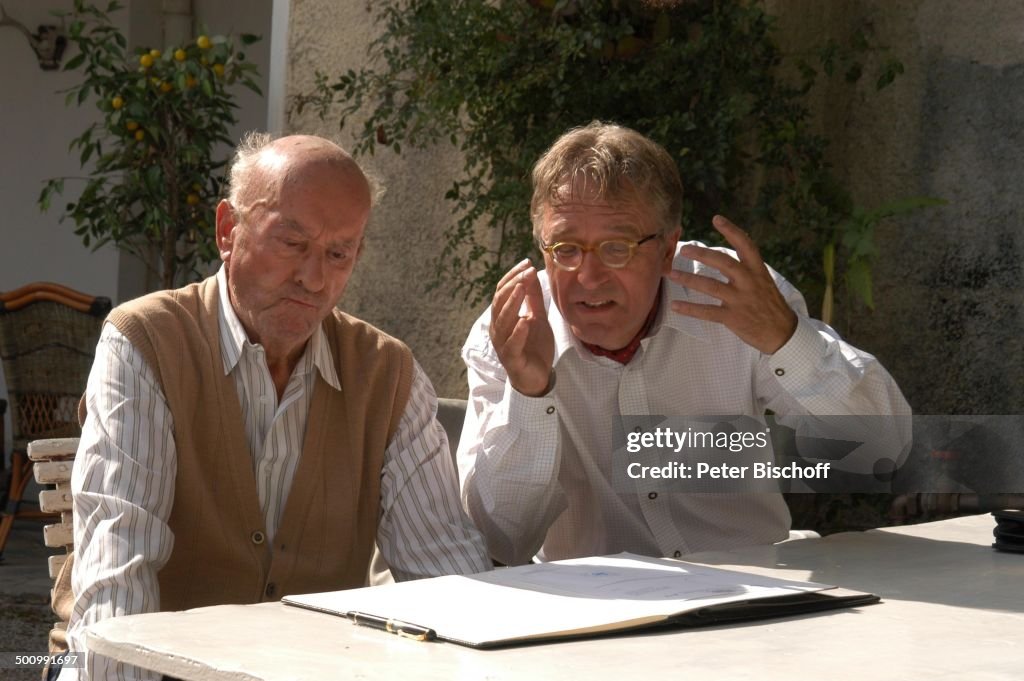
[(537, 472), (123, 480)]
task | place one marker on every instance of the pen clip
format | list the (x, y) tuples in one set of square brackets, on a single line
[(393, 626), (410, 631)]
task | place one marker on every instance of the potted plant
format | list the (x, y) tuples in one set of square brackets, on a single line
[(153, 162)]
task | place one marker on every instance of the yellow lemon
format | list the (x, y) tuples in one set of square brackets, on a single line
[(203, 42), (145, 61), (192, 199), (139, 135), (180, 55), (132, 126), (117, 102), (166, 87), (155, 54), (218, 69)]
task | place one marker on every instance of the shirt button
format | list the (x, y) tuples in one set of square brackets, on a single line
[(271, 590), (676, 554), (258, 537), (551, 410), (652, 495), (780, 372)]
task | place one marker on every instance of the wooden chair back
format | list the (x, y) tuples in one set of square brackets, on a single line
[(52, 460)]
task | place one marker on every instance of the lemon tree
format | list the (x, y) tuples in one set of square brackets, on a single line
[(155, 159)]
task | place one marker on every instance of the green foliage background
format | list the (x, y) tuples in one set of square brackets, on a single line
[(502, 80)]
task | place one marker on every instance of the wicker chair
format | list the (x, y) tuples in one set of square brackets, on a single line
[(48, 337)]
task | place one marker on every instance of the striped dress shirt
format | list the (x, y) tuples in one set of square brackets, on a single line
[(124, 473)]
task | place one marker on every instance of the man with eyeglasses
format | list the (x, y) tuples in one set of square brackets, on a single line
[(626, 320)]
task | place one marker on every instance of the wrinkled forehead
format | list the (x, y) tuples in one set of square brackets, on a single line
[(586, 219)]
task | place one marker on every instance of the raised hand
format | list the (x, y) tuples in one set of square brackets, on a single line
[(524, 342), (751, 305)]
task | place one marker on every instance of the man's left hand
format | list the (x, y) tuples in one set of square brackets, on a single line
[(751, 305)]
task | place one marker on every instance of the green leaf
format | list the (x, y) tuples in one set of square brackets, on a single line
[(829, 262), (74, 62), (858, 278), (904, 206), (153, 177)]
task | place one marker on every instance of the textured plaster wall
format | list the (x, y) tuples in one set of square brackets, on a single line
[(404, 236), (948, 288), (948, 317)]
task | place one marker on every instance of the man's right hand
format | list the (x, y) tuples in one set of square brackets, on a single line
[(524, 342)]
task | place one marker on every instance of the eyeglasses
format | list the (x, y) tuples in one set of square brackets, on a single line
[(615, 253)]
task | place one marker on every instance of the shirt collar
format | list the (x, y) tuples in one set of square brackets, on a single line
[(233, 339), (698, 329)]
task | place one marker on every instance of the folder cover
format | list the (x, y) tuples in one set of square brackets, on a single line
[(579, 597)]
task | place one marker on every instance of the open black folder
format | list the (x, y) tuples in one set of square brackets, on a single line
[(573, 598)]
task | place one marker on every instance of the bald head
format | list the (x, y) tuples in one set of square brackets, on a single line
[(263, 167)]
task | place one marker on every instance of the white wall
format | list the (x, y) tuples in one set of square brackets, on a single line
[(35, 129)]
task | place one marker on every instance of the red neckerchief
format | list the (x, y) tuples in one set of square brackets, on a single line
[(623, 355)]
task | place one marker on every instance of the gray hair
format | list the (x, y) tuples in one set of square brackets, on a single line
[(607, 162), (242, 179)]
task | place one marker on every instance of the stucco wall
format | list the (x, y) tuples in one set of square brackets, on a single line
[(404, 237), (948, 317), (948, 286)]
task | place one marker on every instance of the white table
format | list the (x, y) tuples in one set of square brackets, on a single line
[(953, 608)]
